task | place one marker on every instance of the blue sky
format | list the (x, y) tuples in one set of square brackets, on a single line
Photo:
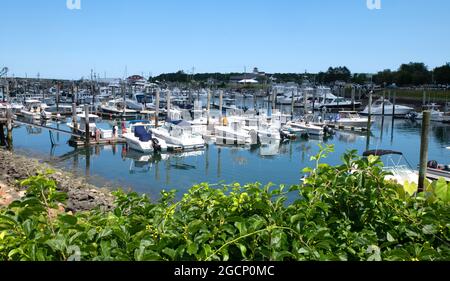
[(150, 36)]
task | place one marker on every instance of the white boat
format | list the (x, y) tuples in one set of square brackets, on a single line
[(117, 108), (179, 133), (80, 126), (232, 132), (308, 127), (351, 119), (139, 137), (401, 172), (35, 110), (377, 108), (336, 102), (436, 114)]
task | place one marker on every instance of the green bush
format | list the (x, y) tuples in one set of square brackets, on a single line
[(345, 212)]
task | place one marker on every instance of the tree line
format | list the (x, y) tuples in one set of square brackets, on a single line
[(410, 74)]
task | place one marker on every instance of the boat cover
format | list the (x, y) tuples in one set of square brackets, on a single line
[(381, 152), (142, 134)]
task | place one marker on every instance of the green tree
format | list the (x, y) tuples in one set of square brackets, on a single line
[(442, 74)]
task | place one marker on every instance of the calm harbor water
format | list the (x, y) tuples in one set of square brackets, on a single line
[(279, 164)]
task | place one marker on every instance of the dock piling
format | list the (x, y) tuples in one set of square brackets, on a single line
[(157, 109), (208, 106), (88, 135), (424, 149)]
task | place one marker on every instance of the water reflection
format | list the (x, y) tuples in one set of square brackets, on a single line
[(275, 162)]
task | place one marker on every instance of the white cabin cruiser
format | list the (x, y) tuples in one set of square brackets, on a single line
[(179, 133), (436, 114), (308, 127), (117, 108), (35, 110), (232, 132), (400, 172), (377, 108), (351, 119), (80, 126), (139, 137)]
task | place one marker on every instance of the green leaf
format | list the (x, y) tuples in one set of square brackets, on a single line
[(192, 248), (57, 245), (170, 252), (71, 220), (442, 190), (410, 188), (241, 227), (375, 251), (390, 238), (429, 229), (242, 248)]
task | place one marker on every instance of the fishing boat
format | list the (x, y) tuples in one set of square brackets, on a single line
[(80, 126), (35, 110), (308, 127), (400, 170), (377, 108), (179, 134), (117, 108), (232, 132), (351, 119), (435, 114), (139, 137)]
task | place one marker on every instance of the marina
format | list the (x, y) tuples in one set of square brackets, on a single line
[(216, 153), (208, 135)]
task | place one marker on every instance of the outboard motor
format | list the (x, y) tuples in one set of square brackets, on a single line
[(156, 145), (328, 131)]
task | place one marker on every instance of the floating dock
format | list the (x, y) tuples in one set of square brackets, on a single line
[(109, 141)]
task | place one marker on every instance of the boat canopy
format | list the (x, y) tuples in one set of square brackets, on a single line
[(381, 152), (139, 122), (181, 123)]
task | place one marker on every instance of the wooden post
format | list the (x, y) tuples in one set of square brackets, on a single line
[(208, 106), (124, 101), (2, 135), (86, 114), (74, 114), (382, 107), (292, 104), (57, 98), (424, 98), (6, 93), (424, 149), (305, 99), (369, 120), (168, 97), (353, 98), (9, 128), (274, 99), (157, 109), (393, 106), (220, 106)]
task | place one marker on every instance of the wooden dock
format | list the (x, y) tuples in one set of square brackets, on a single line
[(76, 142)]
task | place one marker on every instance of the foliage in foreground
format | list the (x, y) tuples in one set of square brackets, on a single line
[(345, 212)]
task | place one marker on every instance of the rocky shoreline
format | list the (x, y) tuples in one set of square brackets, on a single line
[(82, 196)]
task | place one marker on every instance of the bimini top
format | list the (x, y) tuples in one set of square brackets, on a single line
[(139, 121), (381, 152)]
